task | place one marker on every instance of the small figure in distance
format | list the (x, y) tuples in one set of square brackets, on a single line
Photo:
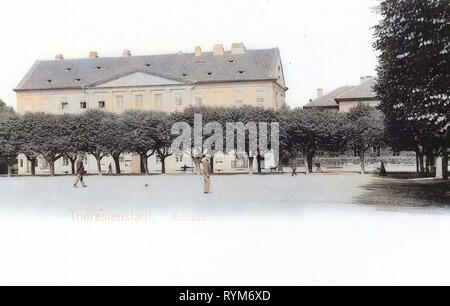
[(110, 169), (382, 169), (294, 169), (79, 166)]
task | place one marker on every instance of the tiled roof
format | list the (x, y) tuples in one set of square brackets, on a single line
[(327, 100), (363, 91), (79, 73)]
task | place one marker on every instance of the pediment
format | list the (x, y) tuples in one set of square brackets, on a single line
[(137, 79)]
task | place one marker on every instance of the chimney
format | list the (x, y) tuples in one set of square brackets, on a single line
[(368, 77), (198, 51), (361, 79), (59, 57), (93, 54), (319, 92), (238, 48), (126, 53), (218, 49)]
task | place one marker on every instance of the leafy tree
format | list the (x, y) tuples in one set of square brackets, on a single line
[(9, 145), (73, 138), (50, 138), (92, 136), (115, 141), (162, 137), (139, 127), (365, 129), (28, 128), (414, 44)]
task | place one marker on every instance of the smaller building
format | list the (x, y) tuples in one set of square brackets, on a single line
[(342, 99)]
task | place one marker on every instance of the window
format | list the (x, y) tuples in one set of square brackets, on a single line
[(139, 101), (158, 99), (64, 104), (178, 100), (37, 163), (65, 161), (260, 95), (21, 163), (179, 158), (198, 100), (83, 104), (101, 104), (119, 101)]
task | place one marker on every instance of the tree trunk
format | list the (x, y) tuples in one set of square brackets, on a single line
[(144, 163), (33, 166), (72, 164), (444, 163), (310, 163), (306, 161), (116, 159), (417, 163), (9, 171), (52, 167), (163, 164), (197, 165), (258, 162), (99, 165), (361, 160), (250, 165)]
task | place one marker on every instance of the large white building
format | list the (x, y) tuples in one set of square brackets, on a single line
[(167, 82)]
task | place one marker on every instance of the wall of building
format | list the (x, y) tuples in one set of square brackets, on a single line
[(345, 106), (164, 98)]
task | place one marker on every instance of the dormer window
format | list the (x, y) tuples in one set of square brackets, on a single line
[(231, 61), (240, 71), (68, 69), (209, 73), (78, 80), (49, 81), (184, 74), (98, 67), (148, 65)]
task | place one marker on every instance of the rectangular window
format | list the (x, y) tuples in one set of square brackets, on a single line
[(198, 100), (83, 104), (65, 161), (260, 93), (139, 101), (119, 101), (21, 163), (101, 104), (178, 100), (64, 104), (158, 99)]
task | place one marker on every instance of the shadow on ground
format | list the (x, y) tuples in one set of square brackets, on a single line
[(404, 192)]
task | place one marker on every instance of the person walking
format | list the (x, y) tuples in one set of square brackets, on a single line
[(294, 169), (110, 169), (206, 174), (79, 166)]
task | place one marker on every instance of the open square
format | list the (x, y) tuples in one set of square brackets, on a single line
[(268, 229)]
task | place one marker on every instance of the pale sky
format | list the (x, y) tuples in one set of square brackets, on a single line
[(323, 43)]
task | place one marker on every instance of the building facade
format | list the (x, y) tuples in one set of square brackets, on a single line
[(168, 83), (342, 99)]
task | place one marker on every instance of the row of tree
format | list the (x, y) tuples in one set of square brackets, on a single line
[(101, 134), (413, 41)]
